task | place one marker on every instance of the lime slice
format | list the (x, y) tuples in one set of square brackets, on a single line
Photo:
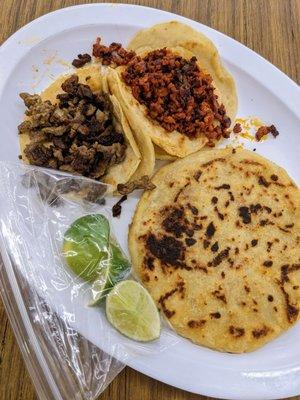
[(86, 247), (118, 268), (132, 311)]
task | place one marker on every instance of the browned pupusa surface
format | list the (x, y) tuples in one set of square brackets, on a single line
[(217, 246)]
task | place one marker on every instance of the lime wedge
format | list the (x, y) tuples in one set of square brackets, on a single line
[(86, 247), (118, 268), (132, 311)]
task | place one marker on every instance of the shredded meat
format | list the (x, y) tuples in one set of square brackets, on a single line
[(112, 54), (177, 94), (81, 60), (117, 208), (264, 130), (142, 183), (76, 135)]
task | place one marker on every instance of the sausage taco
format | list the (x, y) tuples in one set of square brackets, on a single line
[(176, 88)]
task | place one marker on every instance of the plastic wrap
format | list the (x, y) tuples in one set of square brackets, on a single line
[(58, 315)]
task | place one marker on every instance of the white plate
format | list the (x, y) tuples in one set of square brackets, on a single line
[(45, 45)]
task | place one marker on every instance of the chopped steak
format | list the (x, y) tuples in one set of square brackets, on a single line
[(77, 135), (81, 60), (117, 208), (177, 94), (38, 154), (142, 183)]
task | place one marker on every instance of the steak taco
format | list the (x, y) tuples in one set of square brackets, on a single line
[(77, 126)]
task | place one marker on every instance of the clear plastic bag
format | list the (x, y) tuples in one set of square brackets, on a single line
[(70, 348)]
